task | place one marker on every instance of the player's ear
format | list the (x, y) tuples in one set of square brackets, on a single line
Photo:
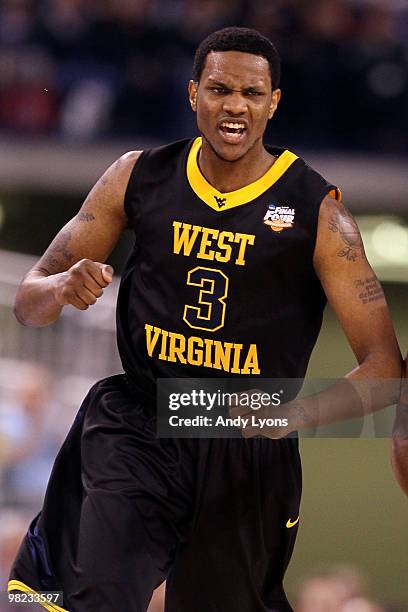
[(192, 94), (276, 96)]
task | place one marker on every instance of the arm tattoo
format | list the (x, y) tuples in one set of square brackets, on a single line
[(61, 246), (343, 223), (83, 216), (302, 413), (50, 265), (369, 290)]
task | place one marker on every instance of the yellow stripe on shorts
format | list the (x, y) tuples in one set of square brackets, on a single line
[(16, 585)]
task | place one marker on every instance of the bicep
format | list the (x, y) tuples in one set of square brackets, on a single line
[(350, 284), (96, 228)]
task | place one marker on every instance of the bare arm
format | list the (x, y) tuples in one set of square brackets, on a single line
[(358, 301), (72, 271), (355, 293), (357, 298)]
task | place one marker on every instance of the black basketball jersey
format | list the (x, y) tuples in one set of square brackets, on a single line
[(219, 284)]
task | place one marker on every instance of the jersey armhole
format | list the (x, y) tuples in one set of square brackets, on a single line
[(134, 187), (336, 193)]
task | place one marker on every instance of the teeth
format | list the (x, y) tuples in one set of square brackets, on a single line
[(233, 126)]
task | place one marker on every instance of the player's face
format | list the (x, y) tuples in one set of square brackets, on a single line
[(233, 102)]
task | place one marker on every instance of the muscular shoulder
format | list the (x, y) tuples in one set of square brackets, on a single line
[(331, 205), (338, 233), (109, 191), (130, 158), (336, 218), (121, 170)]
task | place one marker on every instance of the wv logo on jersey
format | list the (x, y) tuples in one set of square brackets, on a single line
[(220, 201), (279, 217)]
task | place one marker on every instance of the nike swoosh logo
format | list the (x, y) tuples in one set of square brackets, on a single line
[(290, 523)]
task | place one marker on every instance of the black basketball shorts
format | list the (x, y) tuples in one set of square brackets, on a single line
[(125, 510)]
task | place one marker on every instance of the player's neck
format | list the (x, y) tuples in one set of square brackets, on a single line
[(227, 176)]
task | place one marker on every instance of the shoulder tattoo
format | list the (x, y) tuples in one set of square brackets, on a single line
[(342, 222)]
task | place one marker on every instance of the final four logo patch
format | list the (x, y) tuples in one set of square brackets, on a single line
[(279, 217)]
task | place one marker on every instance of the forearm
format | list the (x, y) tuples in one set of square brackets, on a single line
[(358, 300), (370, 387), (35, 303)]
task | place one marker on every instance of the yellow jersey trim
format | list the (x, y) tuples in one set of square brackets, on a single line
[(16, 585), (336, 194), (208, 194)]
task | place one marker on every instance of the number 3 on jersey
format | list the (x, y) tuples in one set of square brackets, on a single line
[(210, 313)]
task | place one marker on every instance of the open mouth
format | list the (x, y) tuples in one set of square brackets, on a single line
[(232, 131)]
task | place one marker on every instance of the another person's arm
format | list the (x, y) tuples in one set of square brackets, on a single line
[(72, 269), (399, 445)]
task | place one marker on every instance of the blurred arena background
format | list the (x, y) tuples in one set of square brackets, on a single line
[(81, 82)]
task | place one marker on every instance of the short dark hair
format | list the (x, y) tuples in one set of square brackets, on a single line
[(245, 40)]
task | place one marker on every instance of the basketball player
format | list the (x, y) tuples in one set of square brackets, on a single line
[(237, 245)]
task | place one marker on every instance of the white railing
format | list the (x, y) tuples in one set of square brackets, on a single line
[(78, 344)]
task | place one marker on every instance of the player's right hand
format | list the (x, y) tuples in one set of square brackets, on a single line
[(82, 284)]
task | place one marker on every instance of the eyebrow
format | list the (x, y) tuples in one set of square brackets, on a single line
[(221, 84), (216, 82)]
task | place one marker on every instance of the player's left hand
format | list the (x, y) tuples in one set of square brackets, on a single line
[(267, 421)]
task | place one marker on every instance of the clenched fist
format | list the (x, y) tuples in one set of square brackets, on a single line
[(82, 284)]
